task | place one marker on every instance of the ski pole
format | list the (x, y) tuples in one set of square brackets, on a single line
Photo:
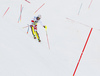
[(28, 28), (25, 27), (47, 37)]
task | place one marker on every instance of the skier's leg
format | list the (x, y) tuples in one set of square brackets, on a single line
[(32, 29), (37, 35)]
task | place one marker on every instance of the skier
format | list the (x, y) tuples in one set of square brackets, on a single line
[(34, 27)]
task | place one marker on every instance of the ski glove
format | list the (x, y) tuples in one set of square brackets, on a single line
[(45, 27)]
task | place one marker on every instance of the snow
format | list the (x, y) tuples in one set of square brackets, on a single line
[(21, 55)]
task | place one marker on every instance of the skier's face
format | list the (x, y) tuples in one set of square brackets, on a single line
[(38, 18)]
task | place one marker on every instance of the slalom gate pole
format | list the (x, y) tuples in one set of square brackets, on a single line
[(80, 9), (90, 4), (82, 52), (27, 1), (20, 13), (39, 8), (6, 11)]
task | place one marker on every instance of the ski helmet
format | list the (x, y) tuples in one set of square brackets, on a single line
[(39, 16)]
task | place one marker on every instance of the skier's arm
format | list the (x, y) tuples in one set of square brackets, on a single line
[(42, 24), (32, 21)]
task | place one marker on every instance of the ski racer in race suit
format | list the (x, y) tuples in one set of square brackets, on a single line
[(34, 26)]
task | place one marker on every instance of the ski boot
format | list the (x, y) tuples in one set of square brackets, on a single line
[(39, 40), (34, 37)]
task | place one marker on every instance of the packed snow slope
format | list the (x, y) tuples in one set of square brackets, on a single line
[(22, 55)]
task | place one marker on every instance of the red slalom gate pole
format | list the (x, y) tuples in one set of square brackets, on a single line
[(6, 11), (27, 1), (90, 3), (39, 8), (82, 51)]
